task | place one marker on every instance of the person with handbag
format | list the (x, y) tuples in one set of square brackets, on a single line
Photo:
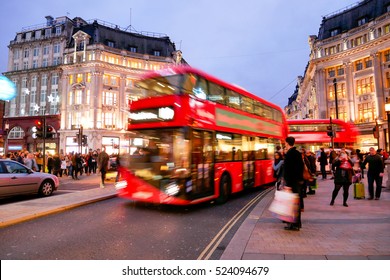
[(343, 168), (293, 176)]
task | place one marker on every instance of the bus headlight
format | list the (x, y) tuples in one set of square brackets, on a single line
[(120, 185), (172, 189)]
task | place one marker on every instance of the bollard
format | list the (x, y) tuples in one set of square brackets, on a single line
[(387, 165)]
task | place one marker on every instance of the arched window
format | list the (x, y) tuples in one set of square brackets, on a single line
[(16, 133)]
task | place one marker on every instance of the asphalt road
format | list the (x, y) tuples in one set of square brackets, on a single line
[(119, 229)]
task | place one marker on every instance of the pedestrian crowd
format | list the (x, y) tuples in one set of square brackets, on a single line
[(71, 164), (295, 171)]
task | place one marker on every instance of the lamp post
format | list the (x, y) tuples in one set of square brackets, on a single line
[(387, 109), (335, 97)]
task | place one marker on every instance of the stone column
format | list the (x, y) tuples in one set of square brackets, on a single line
[(350, 92)]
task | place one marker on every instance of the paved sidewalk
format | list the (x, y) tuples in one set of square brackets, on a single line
[(360, 231)]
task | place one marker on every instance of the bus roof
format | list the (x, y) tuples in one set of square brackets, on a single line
[(190, 70)]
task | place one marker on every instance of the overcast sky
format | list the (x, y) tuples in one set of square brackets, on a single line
[(260, 45)]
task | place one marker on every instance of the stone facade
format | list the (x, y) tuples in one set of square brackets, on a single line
[(352, 55)]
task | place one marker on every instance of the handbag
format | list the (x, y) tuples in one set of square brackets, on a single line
[(306, 173), (285, 206)]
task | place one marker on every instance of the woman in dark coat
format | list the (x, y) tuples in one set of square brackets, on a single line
[(343, 177)]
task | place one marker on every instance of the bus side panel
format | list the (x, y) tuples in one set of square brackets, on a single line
[(264, 172), (234, 169)]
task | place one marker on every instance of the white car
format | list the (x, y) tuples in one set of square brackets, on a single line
[(16, 179)]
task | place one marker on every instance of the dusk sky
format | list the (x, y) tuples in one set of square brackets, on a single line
[(260, 45)]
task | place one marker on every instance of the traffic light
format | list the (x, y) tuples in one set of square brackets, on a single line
[(49, 132), (38, 129), (329, 131), (84, 140)]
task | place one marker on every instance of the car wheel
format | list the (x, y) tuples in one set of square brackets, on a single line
[(224, 189), (46, 188)]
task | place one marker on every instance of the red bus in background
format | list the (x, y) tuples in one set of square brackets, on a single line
[(195, 138), (313, 134)]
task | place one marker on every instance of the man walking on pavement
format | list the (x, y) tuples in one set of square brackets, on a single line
[(103, 160), (375, 173)]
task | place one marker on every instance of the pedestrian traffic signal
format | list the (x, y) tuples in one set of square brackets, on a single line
[(38, 129), (49, 132)]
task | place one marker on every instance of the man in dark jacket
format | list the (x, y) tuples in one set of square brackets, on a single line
[(323, 159), (293, 175), (374, 173)]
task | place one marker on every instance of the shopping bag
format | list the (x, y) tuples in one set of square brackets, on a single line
[(285, 206)]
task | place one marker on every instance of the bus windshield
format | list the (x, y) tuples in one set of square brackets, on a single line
[(159, 155), (161, 86)]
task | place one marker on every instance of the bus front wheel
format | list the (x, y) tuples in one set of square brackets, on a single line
[(224, 189)]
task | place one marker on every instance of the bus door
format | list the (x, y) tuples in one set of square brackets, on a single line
[(248, 161), (202, 165)]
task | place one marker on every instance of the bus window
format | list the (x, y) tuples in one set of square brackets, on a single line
[(217, 93), (233, 99), (247, 104), (200, 90)]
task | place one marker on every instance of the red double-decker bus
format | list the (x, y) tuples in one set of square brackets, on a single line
[(314, 133), (195, 138)]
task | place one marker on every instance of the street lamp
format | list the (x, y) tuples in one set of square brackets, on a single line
[(387, 109), (335, 97)]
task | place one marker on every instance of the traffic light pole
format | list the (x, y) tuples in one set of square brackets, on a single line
[(332, 137), (44, 143)]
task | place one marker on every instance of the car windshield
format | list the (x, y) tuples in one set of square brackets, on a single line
[(158, 154)]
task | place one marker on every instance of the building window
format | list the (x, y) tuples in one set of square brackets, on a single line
[(35, 63), (111, 44), (340, 91), (44, 80), (362, 21), (366, 112), (334, 32), (78, 98), (45, 62), (58, 30), (36, 52), (25, 65), (57, 48), (108, 120), (365, 85), (359, 65), (133, 49), (56, 61), (16, 133), (387, 56), (45, 50), (109, 98), (26, 53), (340, 70), (368, 62), (156, 53), (342, 113), (43, 96), (54, 79)]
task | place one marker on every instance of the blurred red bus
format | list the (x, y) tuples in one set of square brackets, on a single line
[(195, 138), (313, 133)]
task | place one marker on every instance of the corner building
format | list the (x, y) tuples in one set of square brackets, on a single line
[(349, 72), (80, 77)]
